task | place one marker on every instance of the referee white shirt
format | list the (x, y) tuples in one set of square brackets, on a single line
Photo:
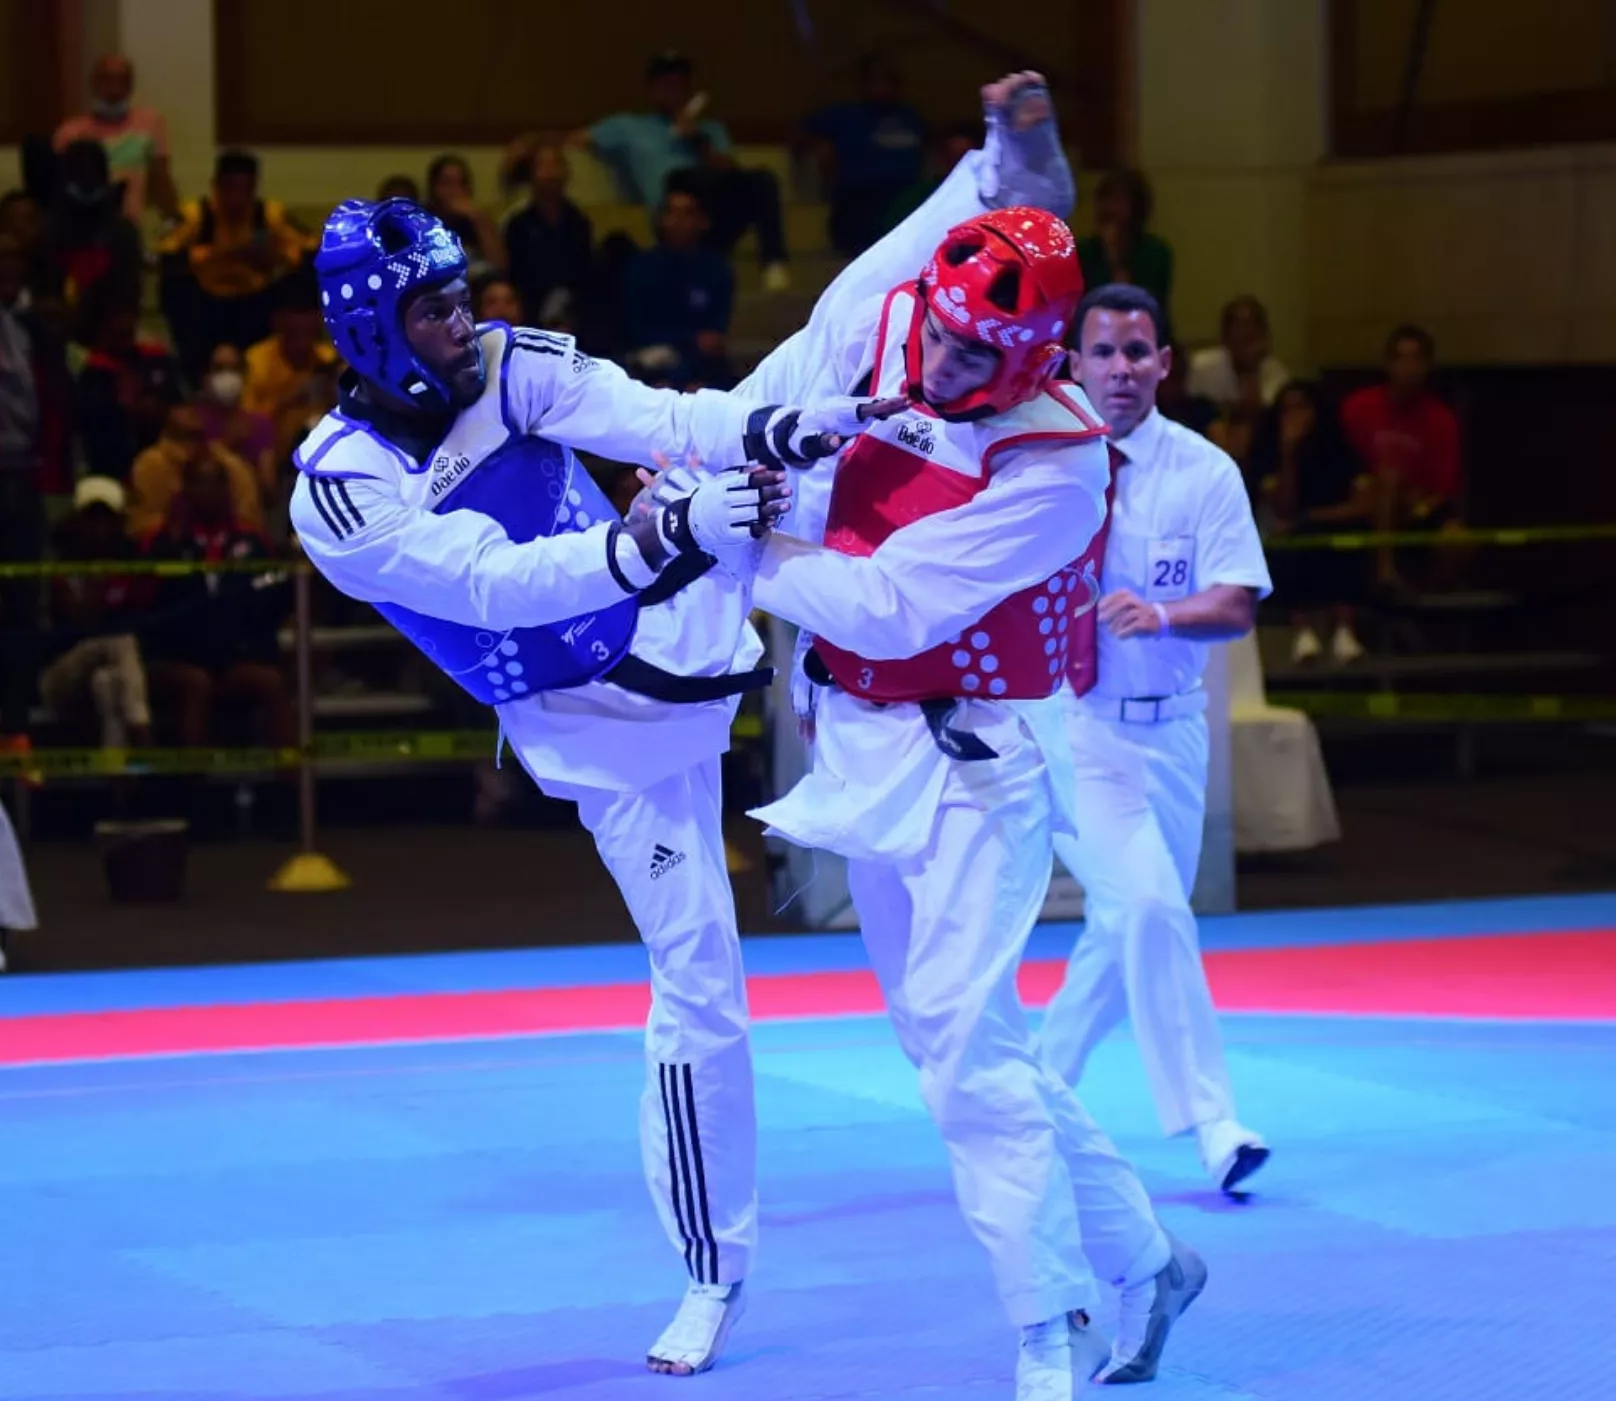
[(1180, 523)]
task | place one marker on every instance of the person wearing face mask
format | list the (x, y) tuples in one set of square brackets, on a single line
[(135, 138), (247, 434)]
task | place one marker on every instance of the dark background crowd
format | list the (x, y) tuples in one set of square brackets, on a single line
[(152, 394)]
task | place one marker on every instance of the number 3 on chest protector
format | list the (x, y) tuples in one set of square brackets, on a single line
[(1172, 569)]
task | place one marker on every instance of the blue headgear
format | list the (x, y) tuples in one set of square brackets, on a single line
[(372, 257)]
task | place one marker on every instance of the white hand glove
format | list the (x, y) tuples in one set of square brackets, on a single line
[(717, 518), (670, 485), (790, 437)]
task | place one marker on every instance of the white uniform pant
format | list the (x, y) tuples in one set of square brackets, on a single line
[(1040, 1185), (698, 1122), (16, 900), (1140, 805)]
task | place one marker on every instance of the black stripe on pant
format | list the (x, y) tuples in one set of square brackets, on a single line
[(688, 1173)]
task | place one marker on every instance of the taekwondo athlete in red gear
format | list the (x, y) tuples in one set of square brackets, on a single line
[(953, 553)]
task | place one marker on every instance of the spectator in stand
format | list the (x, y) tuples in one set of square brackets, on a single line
[(36, 318), (1407, 440), (281, 368), (516, 172), (225, 263), (23, 222), (1176, 401), (213, 638), (124, 391), (88, 243), (449, 196), (399, 187), (947, 151), (497, 299), (646, 148), (22, 507), (158, 477), (871, 149), (21, 218), (1122, 248), (250, 436), (679, 295), (98, 678), (1304, 481), (135, 138), (320, 398), (1240, 376), (549, 242), (603, 320), (1241, 371)]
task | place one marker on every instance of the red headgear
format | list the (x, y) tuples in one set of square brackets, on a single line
[(1011, 280)]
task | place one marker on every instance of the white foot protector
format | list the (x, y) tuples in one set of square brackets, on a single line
[(1148, 1311), (1058, 1357), (1024, 162), (1230, 1152), (696, 1337)]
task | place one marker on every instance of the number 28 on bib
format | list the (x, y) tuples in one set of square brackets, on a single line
[(1172, 569)]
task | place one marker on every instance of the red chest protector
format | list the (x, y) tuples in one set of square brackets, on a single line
[(1025, 645)]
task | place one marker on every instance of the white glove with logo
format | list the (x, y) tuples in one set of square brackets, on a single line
[(725, 516), (787, 437)]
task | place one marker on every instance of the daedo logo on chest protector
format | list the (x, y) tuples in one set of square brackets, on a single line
[(446, 471), (917, 435)]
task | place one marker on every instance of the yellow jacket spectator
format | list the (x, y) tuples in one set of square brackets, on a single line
[(236, 243), (287, 372), (223, 264), (158, 476)]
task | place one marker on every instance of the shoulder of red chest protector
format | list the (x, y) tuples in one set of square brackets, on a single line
[(1061, 414)]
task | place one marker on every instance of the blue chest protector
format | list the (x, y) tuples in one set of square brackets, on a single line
[(534, 489)]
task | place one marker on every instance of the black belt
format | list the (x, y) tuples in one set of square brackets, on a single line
[(957, 744), (678, 574), (639, 676)]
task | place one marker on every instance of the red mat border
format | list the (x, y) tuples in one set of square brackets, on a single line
[(1531, 977)]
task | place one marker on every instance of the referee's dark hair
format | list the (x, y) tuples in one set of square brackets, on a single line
[(1119, 296)]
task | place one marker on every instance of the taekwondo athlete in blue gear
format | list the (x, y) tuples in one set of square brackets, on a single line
[(444, 490)]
